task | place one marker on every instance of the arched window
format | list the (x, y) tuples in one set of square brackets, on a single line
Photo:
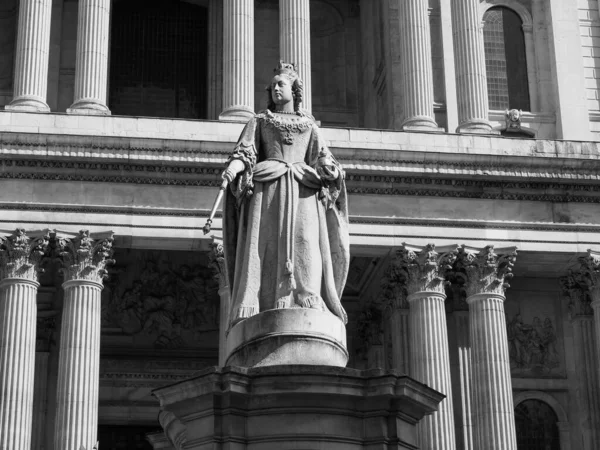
[(505, 60), (159, 59), (537, 427)]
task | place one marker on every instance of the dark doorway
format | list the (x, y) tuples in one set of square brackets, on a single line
[(119, 437), (537, 427)]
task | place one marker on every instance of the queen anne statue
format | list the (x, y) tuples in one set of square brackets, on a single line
[(285, 214)]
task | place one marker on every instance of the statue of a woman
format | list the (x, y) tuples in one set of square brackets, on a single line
[(285, 216)]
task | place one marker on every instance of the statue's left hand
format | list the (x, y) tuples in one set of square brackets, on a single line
[(328, 172)]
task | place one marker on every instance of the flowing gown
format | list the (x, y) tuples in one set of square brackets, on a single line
[(285, 228)]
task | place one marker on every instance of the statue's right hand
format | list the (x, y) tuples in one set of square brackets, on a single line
[(234, 167)]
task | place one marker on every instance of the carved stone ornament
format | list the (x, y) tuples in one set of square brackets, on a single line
[(486, 271), (513, 124), (217, 262), (22, 256), (393, 291), (85, 256), (423, 269), (175, 431), (582, 285)]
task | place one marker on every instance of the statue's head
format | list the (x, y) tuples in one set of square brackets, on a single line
[(285, 84)]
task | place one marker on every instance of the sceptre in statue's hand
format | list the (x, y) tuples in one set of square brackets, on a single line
[(235, 167)]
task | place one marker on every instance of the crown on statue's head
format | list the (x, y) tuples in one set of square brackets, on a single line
[(286, 68)]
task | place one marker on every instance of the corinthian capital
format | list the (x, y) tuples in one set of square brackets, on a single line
[(581, 286), (423, 269), (486, 271), (21, 256), (85, 256)]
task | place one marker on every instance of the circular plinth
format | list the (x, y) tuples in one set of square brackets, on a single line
[(288, 336)]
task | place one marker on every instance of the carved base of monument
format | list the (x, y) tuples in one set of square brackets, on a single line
[(288, 336), (293, 407)]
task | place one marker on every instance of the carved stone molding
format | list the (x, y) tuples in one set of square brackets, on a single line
[(581, 286), (22, 256), (486, 271), (175, 431), (423, 269), (85, 255)]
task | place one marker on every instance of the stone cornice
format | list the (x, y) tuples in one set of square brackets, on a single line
[(22, 254), (84, 256), (486, 272), (423, 269)]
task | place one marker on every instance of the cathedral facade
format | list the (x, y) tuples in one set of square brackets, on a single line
[(469, 135)]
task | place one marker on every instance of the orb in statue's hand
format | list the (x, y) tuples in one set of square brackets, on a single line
[(281, 90)]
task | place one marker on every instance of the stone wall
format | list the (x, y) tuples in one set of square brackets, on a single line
[(589, 25)]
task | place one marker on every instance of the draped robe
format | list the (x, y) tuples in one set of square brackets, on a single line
[(285, 228)]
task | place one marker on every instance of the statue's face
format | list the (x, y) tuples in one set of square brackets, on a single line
[(281, 90)]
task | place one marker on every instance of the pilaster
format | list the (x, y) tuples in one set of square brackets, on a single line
[(91, 66), (394, 297), (424, 272), (580, 287), (238, 60), (294, 42), (486, 273), (20, 261), (469, 57), (83, 258), (31, 59), (415, 58)]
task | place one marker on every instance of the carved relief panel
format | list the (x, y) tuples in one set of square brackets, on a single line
[(534, 329)]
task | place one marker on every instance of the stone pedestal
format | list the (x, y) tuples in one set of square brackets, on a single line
[(491, 386), (288, 336), (415, 59), (294, 42), (19, 263), (471, 78), (84, 260), (294, 407), (238, 60), (91, 69), (31, 59)]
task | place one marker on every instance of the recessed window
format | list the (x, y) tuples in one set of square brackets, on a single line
[(536, 425), (505, 60), (159, 59)]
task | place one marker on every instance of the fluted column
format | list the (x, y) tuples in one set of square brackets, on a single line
[(424, 272), (294, 42), (491, 386), (31, 59), (20, 258), (217, 262), (238, 60), (91, 64), (581, 289), (415, 60), (471, 79), (84, 259)]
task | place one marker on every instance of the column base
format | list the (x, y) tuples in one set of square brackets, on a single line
[(28, 104), (477, 126), (237, 114), (421, 123), (88, 108)]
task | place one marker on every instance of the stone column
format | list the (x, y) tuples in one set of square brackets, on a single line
[(581, 287), (238, 60), (84, 258), (294, 42), (469, 56), (424, 270), (491, 386), (393, 295), (217, 262), (31, 59), (20, 258), (415, 59), (91, 64)]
